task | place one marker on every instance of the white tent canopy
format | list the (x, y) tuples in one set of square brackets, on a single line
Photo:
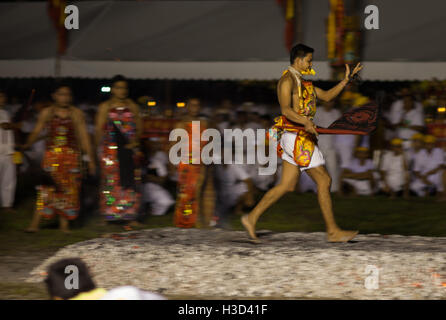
[(231, 40)]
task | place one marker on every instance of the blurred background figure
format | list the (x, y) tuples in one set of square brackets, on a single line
[(442, 198), (407, 117), (417, 146), (155, 194), (67, 139), (394, 171), (235, 190), (195, 192), (118, 132), (221, 119), (324, 117), (306, 184), (358, 178), (428, 167), (8, 177), (34, 155), (56, 281), (345, 144), (253, 113)]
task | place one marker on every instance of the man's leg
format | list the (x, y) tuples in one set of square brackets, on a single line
[(64, 224), (332, 168), (323, 181), (34, 226), (290, 176)]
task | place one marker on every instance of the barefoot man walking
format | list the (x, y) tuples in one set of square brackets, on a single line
[(298, 148)]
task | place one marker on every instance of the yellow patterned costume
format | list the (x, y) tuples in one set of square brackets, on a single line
[(305, 142)]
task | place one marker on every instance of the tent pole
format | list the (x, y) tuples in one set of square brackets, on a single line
[(299, 35), (57, 67)]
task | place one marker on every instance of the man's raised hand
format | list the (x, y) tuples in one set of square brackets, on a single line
[(355, 70)]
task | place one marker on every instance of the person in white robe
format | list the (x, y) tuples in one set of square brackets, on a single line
[(325, 117), (8, 176), (359, 173), (407, 117), (394, 171), (428, 169), (155, 194)]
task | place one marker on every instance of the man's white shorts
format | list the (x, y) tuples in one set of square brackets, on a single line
[(287, 142)]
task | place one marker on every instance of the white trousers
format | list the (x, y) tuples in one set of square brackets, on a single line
[(8, 181)]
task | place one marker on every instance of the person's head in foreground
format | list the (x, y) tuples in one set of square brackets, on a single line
[(301, 57), (396, 145), (70, 279)]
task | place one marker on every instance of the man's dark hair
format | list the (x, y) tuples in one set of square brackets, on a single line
[(55, 280), (60, 84), (299, 51), (118, 78)]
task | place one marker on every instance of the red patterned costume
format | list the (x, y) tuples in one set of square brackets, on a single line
[(187, 208), (62, 161), (120, 172)]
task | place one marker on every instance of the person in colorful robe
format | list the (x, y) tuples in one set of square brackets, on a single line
[(298, 145), (118, 131), (67, 139), (195, 192)]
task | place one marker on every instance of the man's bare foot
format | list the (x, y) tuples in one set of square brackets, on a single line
[(31, 230), (249, 227), (341, 236)]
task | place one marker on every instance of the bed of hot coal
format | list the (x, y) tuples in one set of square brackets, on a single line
[(221, 263)]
